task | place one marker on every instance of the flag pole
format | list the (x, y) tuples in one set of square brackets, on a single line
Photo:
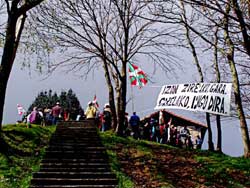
[(132, 97)]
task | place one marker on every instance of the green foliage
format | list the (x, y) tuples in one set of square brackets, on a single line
[(26, 146), (68, 101)]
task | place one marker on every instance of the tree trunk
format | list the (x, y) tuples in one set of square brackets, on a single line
[(9, 53), (210, 139), (122, 105), (217, 71), (111, 95), (240, 111), (236, 86), (219, 139), (118, 105)]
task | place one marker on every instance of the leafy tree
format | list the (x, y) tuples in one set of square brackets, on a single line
[(68, 101)]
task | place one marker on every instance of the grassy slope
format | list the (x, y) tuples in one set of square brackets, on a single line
[(147, 164), (27, 146)]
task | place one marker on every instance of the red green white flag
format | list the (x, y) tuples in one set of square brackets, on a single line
[(137, 76)]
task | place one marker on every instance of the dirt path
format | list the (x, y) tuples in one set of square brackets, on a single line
[(161, 167)]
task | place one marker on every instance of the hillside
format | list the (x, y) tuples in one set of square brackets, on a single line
[(136, 163), (146, 164), (26, 148)]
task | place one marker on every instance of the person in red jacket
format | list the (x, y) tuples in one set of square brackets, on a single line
[(56, 113)]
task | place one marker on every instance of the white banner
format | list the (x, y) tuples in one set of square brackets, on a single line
[(206, 97)]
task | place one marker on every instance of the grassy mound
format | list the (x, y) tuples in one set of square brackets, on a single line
[(148, 164), (26, 148)]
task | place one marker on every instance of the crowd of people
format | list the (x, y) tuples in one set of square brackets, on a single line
[(158, 130), (50, 116), (154, 129)]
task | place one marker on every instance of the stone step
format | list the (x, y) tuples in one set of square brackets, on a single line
[(73, 147), (84, 156), (83, 151), (75, 165), (78, 133), (74, 186), (76, 144), (97, 143), (73, 160), (74, 138), (69, 181), (75, 169), (73, 175), (72, 141), (75, 156)]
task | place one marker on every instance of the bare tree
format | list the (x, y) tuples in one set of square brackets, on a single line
[(232, 40), (230, 56), (104, 32), (199, 69), (218, 79)]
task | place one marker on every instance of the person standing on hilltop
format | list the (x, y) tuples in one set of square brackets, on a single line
[(56, 113), (134, 122), (91, 110), (107, 118), (34, 116)]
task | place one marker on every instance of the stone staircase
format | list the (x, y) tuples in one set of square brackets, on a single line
[(75, 158)]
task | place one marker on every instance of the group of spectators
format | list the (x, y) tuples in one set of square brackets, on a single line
[(157, 130), (46, 116), (49, 116), (103, 118)]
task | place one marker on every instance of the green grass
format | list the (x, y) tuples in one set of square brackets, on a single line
[(27, 146), (217, 169), (220, 166), (110, 141)]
